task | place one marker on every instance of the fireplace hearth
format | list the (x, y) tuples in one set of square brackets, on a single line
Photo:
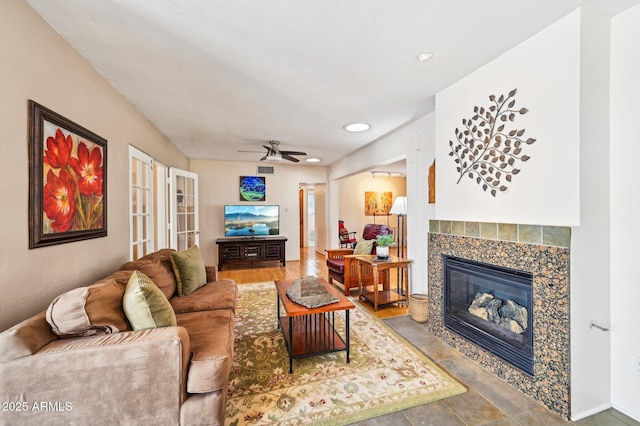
[(492, 307), (542, 251)]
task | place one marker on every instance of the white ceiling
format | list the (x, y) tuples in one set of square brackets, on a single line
[(219, 76)]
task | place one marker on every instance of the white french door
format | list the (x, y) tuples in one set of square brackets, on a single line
[(183, 207), (141, 207)]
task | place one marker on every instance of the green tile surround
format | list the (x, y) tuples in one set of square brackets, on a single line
[(555, 236)]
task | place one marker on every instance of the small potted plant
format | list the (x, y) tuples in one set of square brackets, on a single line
[(383, 243)]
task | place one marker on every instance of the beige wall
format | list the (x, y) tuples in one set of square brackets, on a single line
[(219, 185), (38, 64), (351, 199), (322, 240)]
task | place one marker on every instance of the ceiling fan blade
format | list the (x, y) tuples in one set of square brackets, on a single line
[(255, 152), (293, 153), (264, 158), (288, 157)]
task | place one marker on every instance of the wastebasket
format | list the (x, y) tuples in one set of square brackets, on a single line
[(419, 307)]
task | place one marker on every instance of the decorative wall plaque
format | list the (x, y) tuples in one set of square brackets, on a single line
[(486, 148)]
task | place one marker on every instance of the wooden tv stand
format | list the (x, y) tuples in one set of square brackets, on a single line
[(249, 250)]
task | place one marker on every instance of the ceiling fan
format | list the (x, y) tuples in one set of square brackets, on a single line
[(275, 154)]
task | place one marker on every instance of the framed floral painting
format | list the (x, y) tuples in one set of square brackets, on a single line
[(67, 180)]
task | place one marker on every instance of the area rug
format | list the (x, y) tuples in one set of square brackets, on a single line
[(386, 374)]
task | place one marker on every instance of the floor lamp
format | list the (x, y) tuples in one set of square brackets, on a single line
[(400, 208)]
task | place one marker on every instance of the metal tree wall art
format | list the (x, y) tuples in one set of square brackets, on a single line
[(485, 150)]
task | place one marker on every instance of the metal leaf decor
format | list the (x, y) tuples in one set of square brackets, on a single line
[(485, 150)]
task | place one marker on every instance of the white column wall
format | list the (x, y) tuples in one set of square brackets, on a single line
[(625, 212), (589, 295)]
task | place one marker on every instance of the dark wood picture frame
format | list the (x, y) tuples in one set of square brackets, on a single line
[(67, 180)]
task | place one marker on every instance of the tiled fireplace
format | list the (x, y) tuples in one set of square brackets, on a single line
[(540, 252)]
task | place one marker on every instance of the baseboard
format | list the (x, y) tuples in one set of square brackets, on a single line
[(591, 412), (634, 416)]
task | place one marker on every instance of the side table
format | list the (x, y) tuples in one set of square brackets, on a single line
[(387, 295)]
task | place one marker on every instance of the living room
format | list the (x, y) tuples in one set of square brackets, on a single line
[(579, 94)]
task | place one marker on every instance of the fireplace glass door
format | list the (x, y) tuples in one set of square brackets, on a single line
[(492, 307)]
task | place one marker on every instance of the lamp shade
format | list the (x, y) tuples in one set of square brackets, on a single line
[(399, 206), (274, 157)]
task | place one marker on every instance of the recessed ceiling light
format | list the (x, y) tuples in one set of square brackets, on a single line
[(423, 57), (312, 160), (356, 127)]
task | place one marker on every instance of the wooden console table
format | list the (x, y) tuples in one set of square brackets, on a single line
[(249, 250)]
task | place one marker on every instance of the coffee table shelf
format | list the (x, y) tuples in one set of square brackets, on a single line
[(311, 335)]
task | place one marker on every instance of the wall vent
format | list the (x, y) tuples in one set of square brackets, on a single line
[(266, 170)]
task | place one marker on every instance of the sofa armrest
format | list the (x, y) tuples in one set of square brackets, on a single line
[(101, 379), (212, 273)]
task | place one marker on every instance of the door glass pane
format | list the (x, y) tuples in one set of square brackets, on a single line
[(145, 201), (189, 187), (134, 231), (145, 227), (191, 221)]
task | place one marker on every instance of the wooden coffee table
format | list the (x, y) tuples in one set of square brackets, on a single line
[(311, 331)]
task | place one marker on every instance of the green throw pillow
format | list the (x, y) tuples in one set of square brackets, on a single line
[(145, 305), (189, 269), (364, 247)]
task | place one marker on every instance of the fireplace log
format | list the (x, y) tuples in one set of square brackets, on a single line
[(511, 315), (511, 325), (516, 312)]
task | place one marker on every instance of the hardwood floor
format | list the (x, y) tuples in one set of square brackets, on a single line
[(310, 263)]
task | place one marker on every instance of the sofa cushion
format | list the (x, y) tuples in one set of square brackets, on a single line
[(221, 294), (25, 338), (159, 269), (211, 334), (364, 247), (336, 264), (189, 269), (145, 305), (86, 311)]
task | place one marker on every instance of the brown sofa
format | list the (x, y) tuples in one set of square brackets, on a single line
[(342, 269), (106, 373)]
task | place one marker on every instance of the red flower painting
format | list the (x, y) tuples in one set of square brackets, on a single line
[(73, 187), (59, 200)]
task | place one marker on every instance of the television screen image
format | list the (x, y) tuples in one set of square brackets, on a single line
[(249, 221)]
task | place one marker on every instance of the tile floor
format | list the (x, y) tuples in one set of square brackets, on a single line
[(488, 401)]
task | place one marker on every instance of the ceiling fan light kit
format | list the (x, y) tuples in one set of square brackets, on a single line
[(273, 157), (274, 153)]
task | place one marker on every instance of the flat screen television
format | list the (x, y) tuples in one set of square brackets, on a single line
[(251, 220)]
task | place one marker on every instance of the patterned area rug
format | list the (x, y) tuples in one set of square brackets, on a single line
[(386, 374)]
